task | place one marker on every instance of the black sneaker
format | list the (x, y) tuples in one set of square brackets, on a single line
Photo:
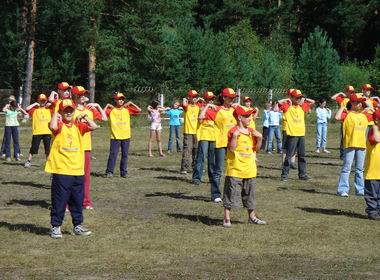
[(305, 178), (375, 217), (196, 182), (284, 178)]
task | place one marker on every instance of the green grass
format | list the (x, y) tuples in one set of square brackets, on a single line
[(155, 224)]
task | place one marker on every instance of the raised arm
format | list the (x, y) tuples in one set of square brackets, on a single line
[(54, 122), (6, 108), (204, 110), (259, 138), (255, 113), (336, 95), (32, 106), (96, 106), (338, 115), (376, 133), (311, 101), (233, 141), (91, 124), (130, 103)]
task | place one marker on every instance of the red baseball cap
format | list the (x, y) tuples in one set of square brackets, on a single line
[(242, 111), (79, 90), (42, 97), (349, 89), (290, 91), (66, 103), (192, 93), (63, 86), (228, 92), (208, 95), (357, 97), (367, 87), (247, 98), (376, 115), (296, 93), (119, 95)]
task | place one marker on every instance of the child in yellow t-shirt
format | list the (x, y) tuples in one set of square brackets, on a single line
[(66, 163), (355, 123), (372, 170), (240, 182), (190, 142), (120, 128), (40, 112)]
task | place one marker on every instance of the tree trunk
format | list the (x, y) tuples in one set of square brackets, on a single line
[(29, 65), (92, 63)]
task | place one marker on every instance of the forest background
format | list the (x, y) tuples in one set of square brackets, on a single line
[(168, 46)]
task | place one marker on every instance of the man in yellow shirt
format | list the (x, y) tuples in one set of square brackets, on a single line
[(190, 142), (240, 183), (66, 163), (120, 128), (355, 123), (372, 170), (40, 112), (294, 110)]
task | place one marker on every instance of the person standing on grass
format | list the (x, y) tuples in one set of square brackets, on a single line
[(155, 111), (120, 127), (40, 112), (95, 113), (268, 107), (66, 163), (323, 117), (190, 141), (274, 118), (174, 114), (206, 143), (294, 109), (240, 182), (247, 101), (372, 170), (343, 100), (355, 123), (224, 121), (12, 110)]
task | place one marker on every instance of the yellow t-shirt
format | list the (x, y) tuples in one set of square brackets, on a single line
[(283, 123), (354, 130), (56, 108), (242, 162), (372, 160), (66, 154), (191, 119), (295, 120), (87, 143), (40, 121), (206, 127), (120, 123), (224, 121)]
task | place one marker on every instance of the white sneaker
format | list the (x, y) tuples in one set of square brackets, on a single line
[(326, 151), (27, 164), (227, 223), (89, 207), (317, 151), (344, 194), (81, 230), (217, 200), (183, 172), (55, 232)]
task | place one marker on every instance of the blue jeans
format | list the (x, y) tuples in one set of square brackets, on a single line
[(174, 129), (114, 150), (220, 155), (276, 131), (11, 132), (206, 148), (344, 179), (321, 135)]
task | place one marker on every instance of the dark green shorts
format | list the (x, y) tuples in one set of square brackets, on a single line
[(236, 189)]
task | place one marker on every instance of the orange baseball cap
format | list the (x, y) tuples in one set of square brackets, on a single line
[(349, 89), (66, 103), (376, 115), (242, 111), (247, 98), (63, 86), (228, 92), (192, 93), (296, 93), (119, 95), (208, 95), (367, 87), (79, 90), (41, 97), (357, 97)]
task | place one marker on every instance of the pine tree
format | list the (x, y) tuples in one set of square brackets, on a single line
[(317, 72)]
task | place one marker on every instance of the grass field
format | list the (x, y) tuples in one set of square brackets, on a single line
[(155, 225)]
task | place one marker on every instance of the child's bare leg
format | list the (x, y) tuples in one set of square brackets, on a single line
[(227, 214), (251, 213), (30, 157), (159, 142), (151, 138)]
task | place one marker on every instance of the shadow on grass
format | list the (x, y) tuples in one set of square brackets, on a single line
[(206, 220), (27, 184), (179, 196), (13, 163), (325, 163), (316, 191), (42, 203), (333, 212), (259, 166), (272, 177), (173, 178), (97, 174), (160, 169), (138, 154), (25, 227)]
